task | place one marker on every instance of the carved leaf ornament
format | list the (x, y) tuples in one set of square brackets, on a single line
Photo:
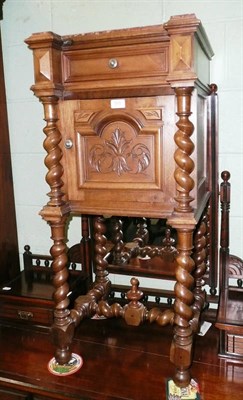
[(119, 156)]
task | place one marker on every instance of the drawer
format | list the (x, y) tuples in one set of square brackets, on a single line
[(115, 66), (234, 345), (16, 395), (12, 395), (27, 313)]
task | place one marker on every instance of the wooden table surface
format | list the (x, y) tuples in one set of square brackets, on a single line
[(120, 362)]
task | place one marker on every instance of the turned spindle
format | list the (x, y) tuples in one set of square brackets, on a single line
[(135, 312)]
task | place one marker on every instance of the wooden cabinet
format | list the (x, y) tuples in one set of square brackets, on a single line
[(28, 298), (229, 319), (9, 254), (131, 133)]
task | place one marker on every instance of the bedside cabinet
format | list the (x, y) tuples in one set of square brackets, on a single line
[(131, 132)]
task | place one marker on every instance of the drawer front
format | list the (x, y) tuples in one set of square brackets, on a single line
[(7, 395), (116, 66), (15, 395), (26, 313), (234, 345)]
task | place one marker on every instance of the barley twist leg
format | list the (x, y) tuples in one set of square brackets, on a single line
[(181, 348)]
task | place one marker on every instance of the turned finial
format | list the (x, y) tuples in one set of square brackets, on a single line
[(213, 88), (134, 312), (225, 175), (168, 241), (225, 189), (134, 295), (27, 248)]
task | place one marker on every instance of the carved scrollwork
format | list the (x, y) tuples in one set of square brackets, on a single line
[(235, 266), (152, 114), (118, 155)]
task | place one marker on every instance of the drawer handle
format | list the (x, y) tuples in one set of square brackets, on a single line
[(25, 315), (113, 63)]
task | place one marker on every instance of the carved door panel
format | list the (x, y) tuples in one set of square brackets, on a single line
[(118, 155)]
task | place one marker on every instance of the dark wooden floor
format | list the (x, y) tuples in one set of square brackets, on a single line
[(120, 362)]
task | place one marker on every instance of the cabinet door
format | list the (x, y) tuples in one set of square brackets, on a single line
[(118, 155)]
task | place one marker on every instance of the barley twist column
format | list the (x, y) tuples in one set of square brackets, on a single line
[(185, 164), (63, 327), (117, 238), (54, 153), (142, 233), (182, 220), (181, 349), (86, 245), (100, 255), (200, 257)]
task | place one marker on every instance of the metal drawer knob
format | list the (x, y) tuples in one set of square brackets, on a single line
[(68, 144), (26, 315), (113, 63)]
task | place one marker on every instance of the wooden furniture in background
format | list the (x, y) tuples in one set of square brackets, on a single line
[(9, 252), (28, 298), (230, 308), (131, 132)]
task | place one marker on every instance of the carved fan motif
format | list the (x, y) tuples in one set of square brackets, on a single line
[(119, 156)]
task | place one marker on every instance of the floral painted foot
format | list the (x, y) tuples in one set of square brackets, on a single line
[(191, 392), (69, 368)]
